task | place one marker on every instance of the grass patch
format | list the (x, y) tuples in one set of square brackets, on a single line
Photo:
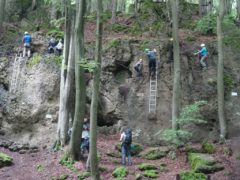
[(120, 172)]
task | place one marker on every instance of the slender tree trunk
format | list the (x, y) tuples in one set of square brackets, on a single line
[(176, 83), (227, 6), (80, 81), (53, 12), (238, 10), (210, 6), (34, 4), (114, 11), (203, 5), (95, 95), (64, 87), (2, 12), (220, 85)]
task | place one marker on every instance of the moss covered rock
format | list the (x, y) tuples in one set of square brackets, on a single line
[(190, 175), (150, 173), (204, 163), (120, 172), (135, 148), (208, 148), (147, 166), (115, 154), (155, 153), (5, 160)]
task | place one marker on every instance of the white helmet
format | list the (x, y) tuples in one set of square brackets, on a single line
[(202, 45), (26, 32)]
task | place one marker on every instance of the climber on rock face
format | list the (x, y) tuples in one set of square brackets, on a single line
[(138, 68), (203, 53), (151, 62), (27, 39)]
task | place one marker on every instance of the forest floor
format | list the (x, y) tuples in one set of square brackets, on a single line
[(44, 165)]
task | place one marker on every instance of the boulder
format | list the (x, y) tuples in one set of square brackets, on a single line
[(155, 153), (204, 163)]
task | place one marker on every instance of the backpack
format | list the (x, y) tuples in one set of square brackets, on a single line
[(128, 137)]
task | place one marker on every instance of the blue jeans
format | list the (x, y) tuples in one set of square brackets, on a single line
[(126, 152)]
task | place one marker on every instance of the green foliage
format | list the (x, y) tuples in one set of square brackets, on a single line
[(207, 24), (190, 175), (54, 59), (189, 114), (113, 43), (135, 29), (208, 148), (146, 166), (67, 161), (150, 173), (118, 28), (40, 168), (144, 44), (57, 33), (63, 177), (84, 175), (155, 153), (176, 137), (88, 65), (5, 160), (120, 172), (228, 82), (34, 60)]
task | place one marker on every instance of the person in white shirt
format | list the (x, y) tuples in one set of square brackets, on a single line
[(59, 47)]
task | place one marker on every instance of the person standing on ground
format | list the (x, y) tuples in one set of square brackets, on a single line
[(152, 62), (85, 136), (203, 53), (126, 139), (27, 39), (138, 67), (59, 47)]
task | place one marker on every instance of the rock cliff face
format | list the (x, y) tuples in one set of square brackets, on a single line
[(33, 110)]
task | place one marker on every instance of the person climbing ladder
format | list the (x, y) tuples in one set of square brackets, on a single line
[(151, 62)]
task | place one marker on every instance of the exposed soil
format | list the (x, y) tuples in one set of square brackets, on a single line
[(25, 165)]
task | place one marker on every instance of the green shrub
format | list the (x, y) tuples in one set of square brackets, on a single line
[(190, 175), (113, 43), (63, 177), (120, 172), (34, 60), (55, 33), (5, 160), (150, 173), (208, 148), (67, 161), (54, 59), (207, 24), (228, 82), (155, 153), (147, 166), (163, 167), (84, 175)]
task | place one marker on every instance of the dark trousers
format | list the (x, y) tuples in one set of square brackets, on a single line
[(138, 70), (152, 67), (126, 152)]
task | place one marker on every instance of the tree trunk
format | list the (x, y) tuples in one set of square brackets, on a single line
[(227, 6), (53, 12), (66, 77), (114, 11), (2, 12), (176, 83), (210, 6), (95, 95), (34, 4), (238, 10), (80, 81), (203, 5), (220, 84)]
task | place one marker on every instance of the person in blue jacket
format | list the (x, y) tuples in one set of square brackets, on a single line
[(203, 53), (27, 39)]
